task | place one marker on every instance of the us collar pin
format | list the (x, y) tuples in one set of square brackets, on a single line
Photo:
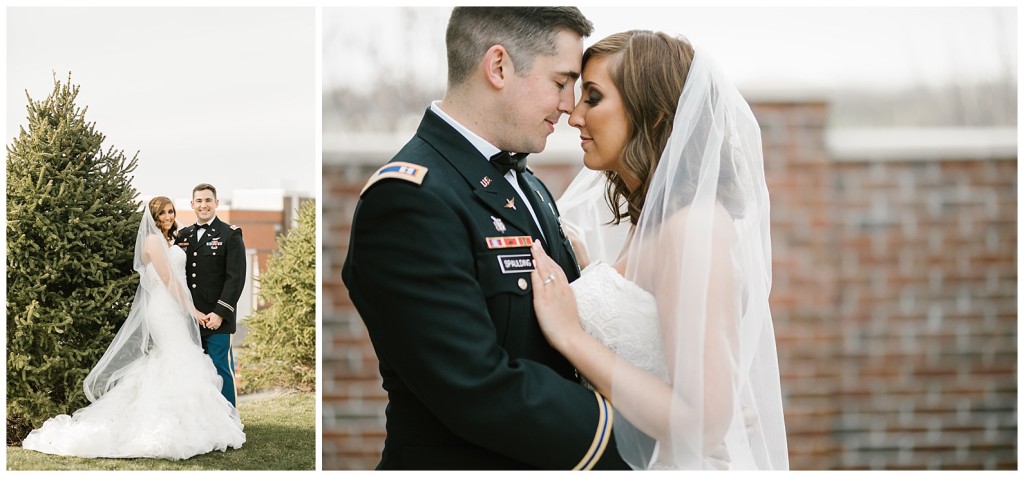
[(486, 181)]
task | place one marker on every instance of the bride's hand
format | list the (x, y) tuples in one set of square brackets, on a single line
[(199, 316), (553, 300)]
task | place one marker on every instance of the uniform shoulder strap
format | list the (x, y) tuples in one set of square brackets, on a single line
[(397, 170)]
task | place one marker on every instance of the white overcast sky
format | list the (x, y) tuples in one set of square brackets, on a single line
[(768, 47), (227, 95), (220, 95)]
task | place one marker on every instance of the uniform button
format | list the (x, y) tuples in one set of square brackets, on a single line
[(193, 264), (215, 253), (193, 275), (195, 254), (522, 284), (193, 285)]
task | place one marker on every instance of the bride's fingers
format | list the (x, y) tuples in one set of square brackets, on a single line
[(543, 261), (538, 272), (547, 276), (538, 283), (538, 250)]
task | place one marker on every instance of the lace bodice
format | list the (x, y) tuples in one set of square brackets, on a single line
[(622, 316), (176, 257)]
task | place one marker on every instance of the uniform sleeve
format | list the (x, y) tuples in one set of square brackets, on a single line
[(234, 279), (411, 275)]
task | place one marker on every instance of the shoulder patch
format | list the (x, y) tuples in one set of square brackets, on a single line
[(397, 170)]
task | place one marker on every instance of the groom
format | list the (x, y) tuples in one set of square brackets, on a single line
[(439, 261), (215, 270)]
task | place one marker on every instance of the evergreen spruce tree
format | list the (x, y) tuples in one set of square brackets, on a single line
[(72, 217), (280, 348)]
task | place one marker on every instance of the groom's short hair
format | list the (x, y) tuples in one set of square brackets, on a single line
[(525, 32), (204, 186)]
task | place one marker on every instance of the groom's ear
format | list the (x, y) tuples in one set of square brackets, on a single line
[(497, 65)]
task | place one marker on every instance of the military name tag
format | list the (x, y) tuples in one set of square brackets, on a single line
[(519, 263), (509, 242)]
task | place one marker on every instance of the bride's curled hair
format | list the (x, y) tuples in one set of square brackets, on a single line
[(649, 69)]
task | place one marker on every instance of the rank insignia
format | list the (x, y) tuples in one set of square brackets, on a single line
[(510, 203), (538, 195), (509, 242), (486, 181), (397, 170), (498, 224)]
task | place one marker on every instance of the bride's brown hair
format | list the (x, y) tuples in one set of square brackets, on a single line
[(156, 204), (649, 69)]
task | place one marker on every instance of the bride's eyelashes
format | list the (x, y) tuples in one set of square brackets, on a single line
[(593, 97)]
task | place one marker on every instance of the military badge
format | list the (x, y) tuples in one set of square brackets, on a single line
[(509, 242), (510, 203), (498, 224), (486, 181), (397, 170)]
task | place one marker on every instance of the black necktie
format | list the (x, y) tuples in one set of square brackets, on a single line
[(204, 226), (504, 162)]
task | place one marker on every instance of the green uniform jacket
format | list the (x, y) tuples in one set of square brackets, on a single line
[(471, 381)]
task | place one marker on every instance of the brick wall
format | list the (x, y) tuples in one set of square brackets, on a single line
[(894, 302)]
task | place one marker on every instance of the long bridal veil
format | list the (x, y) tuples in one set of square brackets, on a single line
[(701, 247), (134, 340)]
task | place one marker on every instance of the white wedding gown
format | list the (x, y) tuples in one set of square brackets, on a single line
[(168, 407), (624, 317)]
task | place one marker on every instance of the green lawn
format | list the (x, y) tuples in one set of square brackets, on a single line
[(280, 433)]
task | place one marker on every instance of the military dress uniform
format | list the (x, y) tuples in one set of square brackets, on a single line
[(438, 268), (215, 271)]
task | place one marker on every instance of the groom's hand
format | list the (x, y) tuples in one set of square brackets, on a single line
[(213, 321)]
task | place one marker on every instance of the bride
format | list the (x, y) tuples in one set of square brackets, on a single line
[(670, 321), (153, 393)]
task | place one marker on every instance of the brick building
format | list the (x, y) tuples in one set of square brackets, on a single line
[(894, 295)]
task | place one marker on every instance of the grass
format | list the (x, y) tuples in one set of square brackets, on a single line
[(280, 434)]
